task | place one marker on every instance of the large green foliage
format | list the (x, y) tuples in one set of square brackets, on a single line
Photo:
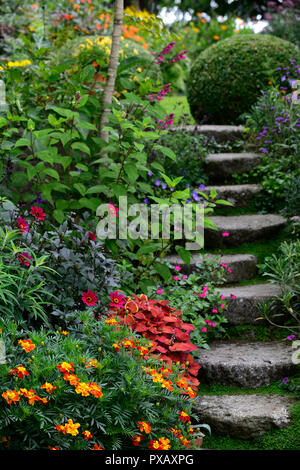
[(227, 78)]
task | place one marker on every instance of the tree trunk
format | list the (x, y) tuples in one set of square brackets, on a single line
[(112, 67)]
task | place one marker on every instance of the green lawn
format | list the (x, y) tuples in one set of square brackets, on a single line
[(180, 107)]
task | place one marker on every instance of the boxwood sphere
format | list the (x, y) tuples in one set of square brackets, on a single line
[(227, 77)]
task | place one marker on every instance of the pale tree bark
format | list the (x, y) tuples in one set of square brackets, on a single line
[(112, 67)]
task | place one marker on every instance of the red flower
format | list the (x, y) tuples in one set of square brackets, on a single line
[(22, 225), (92, 236), (89, 297), (117, 300), (24, 258), (37, 213)]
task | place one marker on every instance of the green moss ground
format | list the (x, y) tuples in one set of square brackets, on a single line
[(180, 107), (276, 439)]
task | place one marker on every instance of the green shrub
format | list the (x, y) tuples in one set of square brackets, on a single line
[(227, 78), (101, 377)]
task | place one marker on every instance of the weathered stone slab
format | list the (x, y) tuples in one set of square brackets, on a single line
[(239, 195), (241, 267), (220, 133), (220, 166), (242, 229), (246, 364), (244, 416), (244, 308)]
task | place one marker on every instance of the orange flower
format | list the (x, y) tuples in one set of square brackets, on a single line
[(19, 371), (65, 367), (82, 389), (92, 363), (144, 426), (69, 428), (87, 435), (161, 444), (97, 447), (49, 387), (111, 321), (136, 440), (72, 379), (65, 333), (203, 20), (11, 396), (216, 37), (145, 46), (95, 390), (116, 346), (26, 344), (137, 38), (183, 416)]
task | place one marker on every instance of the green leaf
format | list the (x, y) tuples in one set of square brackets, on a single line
[(99, 188), (58, 215), (184, 254), (51, 172), (65, 162), (131, 172), (81, 146), (221, 201), (166, 151), (83, 100), (148, 248), (163, 271), (87, 73), (23, 143), (81, 188)]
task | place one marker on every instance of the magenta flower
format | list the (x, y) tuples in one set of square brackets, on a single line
[(22, 225), (225, 234), (159, 291), (177, 268), (117, 300), (214, 310), (24, 258), (176, 278)]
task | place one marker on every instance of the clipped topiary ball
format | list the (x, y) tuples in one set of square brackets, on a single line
[(227, 78)]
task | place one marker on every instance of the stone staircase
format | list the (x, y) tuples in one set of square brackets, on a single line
[(246, 364)]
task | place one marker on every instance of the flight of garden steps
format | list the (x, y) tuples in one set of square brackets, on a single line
[(246, 364)]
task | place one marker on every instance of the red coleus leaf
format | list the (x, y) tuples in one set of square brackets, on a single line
[(161, 349), (167, 329), (187, 327), (164, 339), (141, 327), (183, 347)]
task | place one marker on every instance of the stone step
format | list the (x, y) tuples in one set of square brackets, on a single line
[(242, 229), (220, 166), (244, 309), (246, 364), (239, 195), (219, 133), (244, 416), (239, 267)]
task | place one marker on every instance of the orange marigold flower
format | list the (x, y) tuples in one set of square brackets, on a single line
[(43, 401), (53, 448), (87, 435), (97, 447), (32, 396), (116, 346), (26, 344), (183, 416), (65, 333), (65, 367), (48, 387), (11, 396), (145, 46), (95, 390), (111, 321), (72, 428), (144, 426), (186, 442), (82, 389), (72, 379), (19, 371), (216, 37), (136, 440), (92, 363)]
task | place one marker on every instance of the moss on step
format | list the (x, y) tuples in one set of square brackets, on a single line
[(254, 333), (259, 249), (276, 439)]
